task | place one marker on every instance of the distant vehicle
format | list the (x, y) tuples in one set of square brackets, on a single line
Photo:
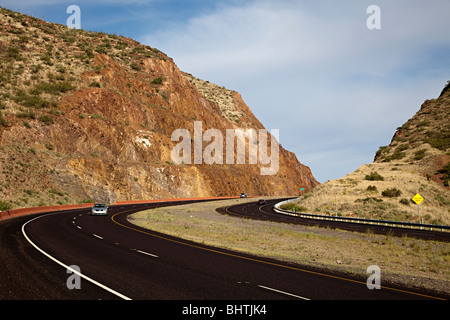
[(243, 195), (99, 209), (261, 201)]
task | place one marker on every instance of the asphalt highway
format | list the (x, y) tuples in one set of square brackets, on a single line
[(118, 260), (265, 212)]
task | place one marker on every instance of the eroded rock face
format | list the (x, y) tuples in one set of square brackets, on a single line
[(119, 140), (109, 135)]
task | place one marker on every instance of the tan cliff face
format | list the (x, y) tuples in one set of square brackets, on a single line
[(424, 140), (88, 116)]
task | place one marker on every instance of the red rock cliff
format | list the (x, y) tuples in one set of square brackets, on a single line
[(94, 116)]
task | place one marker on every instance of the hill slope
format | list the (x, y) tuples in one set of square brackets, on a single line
[(416, 161), (89, 116)]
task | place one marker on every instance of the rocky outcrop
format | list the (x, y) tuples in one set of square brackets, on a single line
[(94, 120), (417, 160)]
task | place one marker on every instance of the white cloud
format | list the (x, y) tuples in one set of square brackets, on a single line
[(314, 70), (273, 34), (309, 68)]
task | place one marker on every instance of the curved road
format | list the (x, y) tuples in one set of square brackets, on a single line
[(118, 260), (265, 212)]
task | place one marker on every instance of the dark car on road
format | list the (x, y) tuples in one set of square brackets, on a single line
[(261, 201)]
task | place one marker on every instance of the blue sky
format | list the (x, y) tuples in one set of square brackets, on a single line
[(312, 69)]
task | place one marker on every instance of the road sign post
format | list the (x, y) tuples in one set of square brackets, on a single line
[(418, 200)]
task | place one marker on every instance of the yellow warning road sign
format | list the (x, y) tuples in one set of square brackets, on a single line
[(417, 199)]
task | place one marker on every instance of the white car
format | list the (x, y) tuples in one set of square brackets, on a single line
[(99, 209)]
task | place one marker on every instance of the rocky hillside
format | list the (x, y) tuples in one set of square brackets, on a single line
[(89, 116), (416, 161)]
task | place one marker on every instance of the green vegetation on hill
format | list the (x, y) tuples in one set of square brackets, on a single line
[(41, 61)]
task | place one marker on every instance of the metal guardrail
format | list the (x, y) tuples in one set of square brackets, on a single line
[(398, 224)]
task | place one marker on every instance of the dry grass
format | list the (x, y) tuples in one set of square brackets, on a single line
[(409, 261), (353, 195)]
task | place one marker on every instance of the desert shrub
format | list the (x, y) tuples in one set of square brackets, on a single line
[(135, 66), (46, 120), (54, 87), (418, 155), (371, 188), (4, 206), (70, 39), (121, 45), (368, 200), (89, 53), (402, 147), (158, 80), (380, 151), (100, 50), (27, 114), (47, 59), (3, 121), (95, 84), (374, 176), (55, 191), (163, 95), (397, 155), (439, 140), (445, 174), (60, 68), (14, 53), (138, 50), (293, 207), (36, 68), (27, 100), (406, 202), (442, 200), (391, 193)]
